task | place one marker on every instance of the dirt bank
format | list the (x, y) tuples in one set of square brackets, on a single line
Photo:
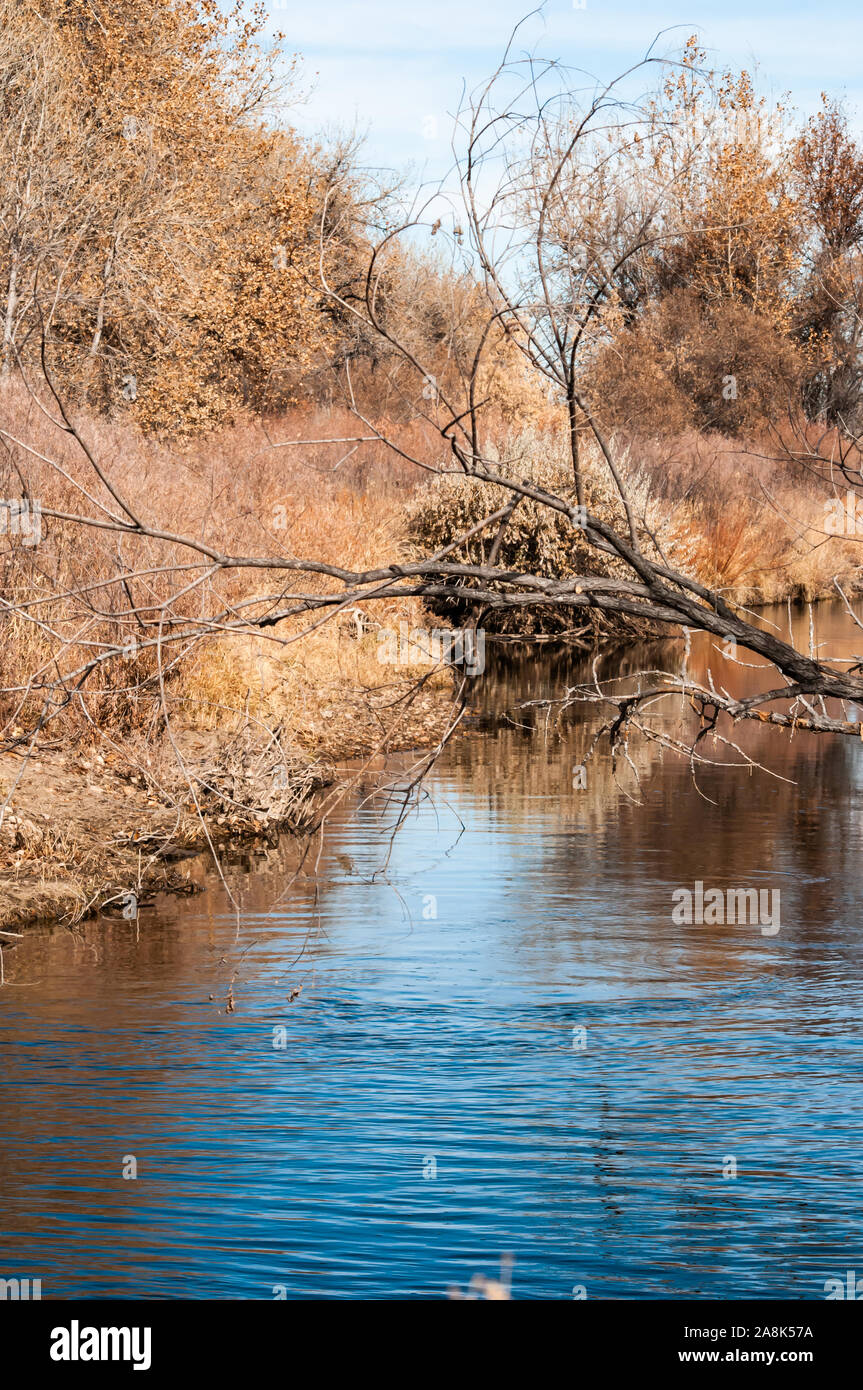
[(105, 828)]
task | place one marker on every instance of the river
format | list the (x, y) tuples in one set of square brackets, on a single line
[(505, 1043)]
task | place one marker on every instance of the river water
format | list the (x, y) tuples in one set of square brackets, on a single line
[(504, 1043)]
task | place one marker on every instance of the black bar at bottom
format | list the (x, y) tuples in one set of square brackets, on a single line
[(88, 1339)]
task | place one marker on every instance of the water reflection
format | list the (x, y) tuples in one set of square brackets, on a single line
[(432, 1105)]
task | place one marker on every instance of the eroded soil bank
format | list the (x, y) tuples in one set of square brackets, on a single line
[(104, 828)]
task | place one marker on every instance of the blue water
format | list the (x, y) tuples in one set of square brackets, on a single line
[(432, 1108)]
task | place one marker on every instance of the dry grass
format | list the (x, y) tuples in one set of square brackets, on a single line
[(743, 519), (239, 493), (236, 733)]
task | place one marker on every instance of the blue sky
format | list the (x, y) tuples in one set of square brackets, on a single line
[(396, 69)]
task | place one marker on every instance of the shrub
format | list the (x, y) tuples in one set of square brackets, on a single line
[(537, 540)]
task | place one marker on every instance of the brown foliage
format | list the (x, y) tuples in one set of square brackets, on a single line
[(747, 307), (719, 368)]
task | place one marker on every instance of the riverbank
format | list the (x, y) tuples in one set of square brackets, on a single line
[(114, 783), (189, 732), (105, 829)]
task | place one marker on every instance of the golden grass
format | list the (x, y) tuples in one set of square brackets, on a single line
[(239, 494), (743, 519)]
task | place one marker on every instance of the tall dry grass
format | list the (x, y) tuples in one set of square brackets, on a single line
[(243, 491), (747, 519)]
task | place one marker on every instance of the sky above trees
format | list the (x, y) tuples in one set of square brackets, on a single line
[(396, 69)]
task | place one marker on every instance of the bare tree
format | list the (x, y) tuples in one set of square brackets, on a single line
[(564, 195)]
